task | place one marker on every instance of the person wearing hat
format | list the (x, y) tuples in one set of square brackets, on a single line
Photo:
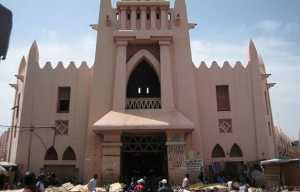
[(140, 187), (164, 187)]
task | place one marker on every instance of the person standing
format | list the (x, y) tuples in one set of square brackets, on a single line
[(29, 182), (92, 185), (140, 187), (40, 185), (186, 182), (164, 187)]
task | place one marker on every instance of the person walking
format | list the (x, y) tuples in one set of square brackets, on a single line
[(186, 182), (92, 185)]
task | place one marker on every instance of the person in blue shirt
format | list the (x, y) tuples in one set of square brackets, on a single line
[(92, 185)]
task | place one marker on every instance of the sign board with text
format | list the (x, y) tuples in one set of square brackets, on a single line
[(194, 165)]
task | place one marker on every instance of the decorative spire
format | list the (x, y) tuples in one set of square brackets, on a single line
[(105, 12), (180, 10), (33, 57), (22, 66), (253, 55)]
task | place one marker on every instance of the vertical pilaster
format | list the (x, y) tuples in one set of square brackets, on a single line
[(120, 76), (153, 18), (111, 152), (176, 156), (167, 93), (164, 18), (133, 18), (143, 18), (123, 18)]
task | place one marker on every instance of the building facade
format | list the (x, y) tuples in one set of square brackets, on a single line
[(285, 146), (143, 108), (3, 145)]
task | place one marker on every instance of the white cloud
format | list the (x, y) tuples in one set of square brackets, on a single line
[(268, 26), (220, 52), (82, 50), (275, 26)]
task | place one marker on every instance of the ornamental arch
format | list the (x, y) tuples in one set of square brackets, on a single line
[(236, 151), (51, 154), (69, 154), (218, 152)]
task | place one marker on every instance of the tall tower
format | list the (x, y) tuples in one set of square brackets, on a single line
[(141, 87)]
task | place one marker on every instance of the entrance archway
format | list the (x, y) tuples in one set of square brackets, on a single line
[(144, 155)]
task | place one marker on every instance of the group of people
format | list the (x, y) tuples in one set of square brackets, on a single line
[(142, 186), (38, 184)]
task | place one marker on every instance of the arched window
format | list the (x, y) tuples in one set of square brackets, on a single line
[(143, 82), (218, 152), (69, 154), (51, 154), (236, 151)]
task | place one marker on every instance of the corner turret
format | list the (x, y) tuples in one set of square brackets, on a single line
[(106, 17), (22, 66), (253, 55), (180, 12), (33, 56)]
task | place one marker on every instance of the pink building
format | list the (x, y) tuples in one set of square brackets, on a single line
[(3, 145), (285, 145), (143, 107)]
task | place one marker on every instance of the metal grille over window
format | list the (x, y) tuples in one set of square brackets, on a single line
[(176, 155), (62, 127), (225, 125), (223, 101), (143, 88), (143, 143), (143, 103), (64, 94)]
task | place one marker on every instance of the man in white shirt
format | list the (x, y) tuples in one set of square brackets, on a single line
[(92, 185), (186, 182)]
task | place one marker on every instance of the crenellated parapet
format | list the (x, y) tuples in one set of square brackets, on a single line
[(31, 72), (216, 67), (60, 66), (32, 65), (255, 65)]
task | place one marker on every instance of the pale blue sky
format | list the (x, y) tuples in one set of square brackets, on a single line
[(224, 29)]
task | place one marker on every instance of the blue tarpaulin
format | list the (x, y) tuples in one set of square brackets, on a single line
[(5, 30)]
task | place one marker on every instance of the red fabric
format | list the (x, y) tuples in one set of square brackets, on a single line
[(139, 188)]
